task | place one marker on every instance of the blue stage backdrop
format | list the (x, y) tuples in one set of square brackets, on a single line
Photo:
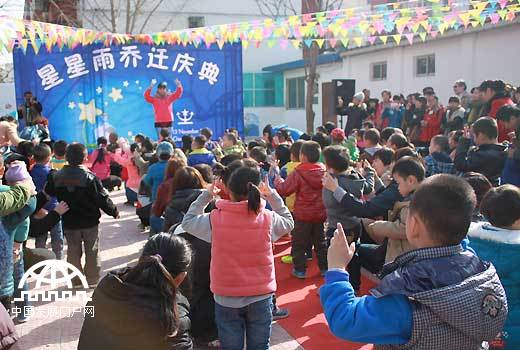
[(92, 90)]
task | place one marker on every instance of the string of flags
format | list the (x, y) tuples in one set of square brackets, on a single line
[(386, 23)]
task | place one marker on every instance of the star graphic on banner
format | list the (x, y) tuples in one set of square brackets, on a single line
[(154, 81), (115, 95), (99, 90), (140, 88), (80, 94), (89, 112), (137, 82), (126, 83), (106, 103), (72, 105)]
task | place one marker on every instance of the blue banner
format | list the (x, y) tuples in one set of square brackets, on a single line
[(93, 90)]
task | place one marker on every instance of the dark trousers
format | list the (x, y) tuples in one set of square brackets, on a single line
[(305, 235), (369, 255), (88, 239), (110, 182)]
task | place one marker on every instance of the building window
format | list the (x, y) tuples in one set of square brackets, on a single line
[(425, 65), (378, 71), (263, 89), (41, 5), (296, 93), (196, 21)]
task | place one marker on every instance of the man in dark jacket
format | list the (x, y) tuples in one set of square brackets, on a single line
[(85, 195), (309, 210), (356, 113), (488, 157)]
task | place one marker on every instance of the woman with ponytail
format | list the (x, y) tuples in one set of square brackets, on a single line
[(100, 160), (241, 232), (141, 307)]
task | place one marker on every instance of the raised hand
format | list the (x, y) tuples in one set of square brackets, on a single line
[(178, 83), (265, 190), (340, 252), (212, 189), (329, 182)]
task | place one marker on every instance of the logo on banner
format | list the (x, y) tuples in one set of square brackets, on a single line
[(185, 117)]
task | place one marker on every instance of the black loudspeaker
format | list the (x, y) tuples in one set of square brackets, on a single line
[(346, 88)]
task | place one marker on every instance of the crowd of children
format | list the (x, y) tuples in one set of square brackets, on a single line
[(398, 193)]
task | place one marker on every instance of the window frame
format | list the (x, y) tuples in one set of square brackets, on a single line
[(429, 72), (196, 18), (375, 64), (254, 90), (299, 104)]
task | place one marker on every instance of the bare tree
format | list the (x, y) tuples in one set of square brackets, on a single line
[(282, 8), (135, 14), (6, 73)]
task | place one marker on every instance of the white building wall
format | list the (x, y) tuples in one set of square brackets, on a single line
[(474, 57)]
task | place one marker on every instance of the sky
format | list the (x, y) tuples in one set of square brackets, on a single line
[(14, 9)]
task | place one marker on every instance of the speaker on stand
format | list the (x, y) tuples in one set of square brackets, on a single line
[(344, 88)]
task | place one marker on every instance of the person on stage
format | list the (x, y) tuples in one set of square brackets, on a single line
[(162, 104)]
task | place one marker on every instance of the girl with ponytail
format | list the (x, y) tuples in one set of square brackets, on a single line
[(141, 307), (100, 160), (241, 231)]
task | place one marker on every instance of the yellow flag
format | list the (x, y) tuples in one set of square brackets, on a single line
[(397, 38)]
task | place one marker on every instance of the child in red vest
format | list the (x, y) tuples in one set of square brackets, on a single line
[(309, 210), (241, 232)]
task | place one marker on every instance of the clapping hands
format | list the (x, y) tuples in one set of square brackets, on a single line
[(266, 192)]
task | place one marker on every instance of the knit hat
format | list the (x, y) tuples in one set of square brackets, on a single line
[(359, 96), (165, 148), (337, 134), (17, 172)]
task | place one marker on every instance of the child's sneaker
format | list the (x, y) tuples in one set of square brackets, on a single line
[(279, 314), (287, 259), (298, 274)]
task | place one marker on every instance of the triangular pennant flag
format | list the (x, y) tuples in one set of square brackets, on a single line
[(409, 37), (397, 38), (332, 42), (295, 43), (371, 39), (245, 44), (511, 15), (308, 42), (284, 43), (422, 35), (220, 43), (23, 43), (270, 43), (359, 41), (344, 42), (320, 42), (384, 39), (434, 34)]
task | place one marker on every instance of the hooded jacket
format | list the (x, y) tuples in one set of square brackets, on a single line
[(501, 246), (128, 316), (433, 298), (305, 181), (491, 110), (201, 156), (433, 119), (353, 183)]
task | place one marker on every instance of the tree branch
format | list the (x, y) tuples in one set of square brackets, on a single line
[(150, 14), (113, 16), (99, 9)]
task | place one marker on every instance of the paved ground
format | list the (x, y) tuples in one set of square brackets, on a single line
[(121, 243)]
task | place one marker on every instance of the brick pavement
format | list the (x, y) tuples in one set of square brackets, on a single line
[(120, 244)]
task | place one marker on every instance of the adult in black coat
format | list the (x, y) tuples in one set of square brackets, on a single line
[(141, 307), (356, 113), (488, 157)]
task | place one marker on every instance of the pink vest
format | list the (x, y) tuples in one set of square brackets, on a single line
[(242, 262)]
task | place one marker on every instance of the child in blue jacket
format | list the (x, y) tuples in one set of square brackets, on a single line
[(437, 296)]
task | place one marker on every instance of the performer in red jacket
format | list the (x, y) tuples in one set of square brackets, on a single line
[(162, 104)]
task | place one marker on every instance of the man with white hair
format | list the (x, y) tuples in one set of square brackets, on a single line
[(460, 89), (356, 113)]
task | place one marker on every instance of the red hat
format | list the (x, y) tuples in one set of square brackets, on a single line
[(337, 134)]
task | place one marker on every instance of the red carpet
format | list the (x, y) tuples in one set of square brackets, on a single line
[(306, 322)]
